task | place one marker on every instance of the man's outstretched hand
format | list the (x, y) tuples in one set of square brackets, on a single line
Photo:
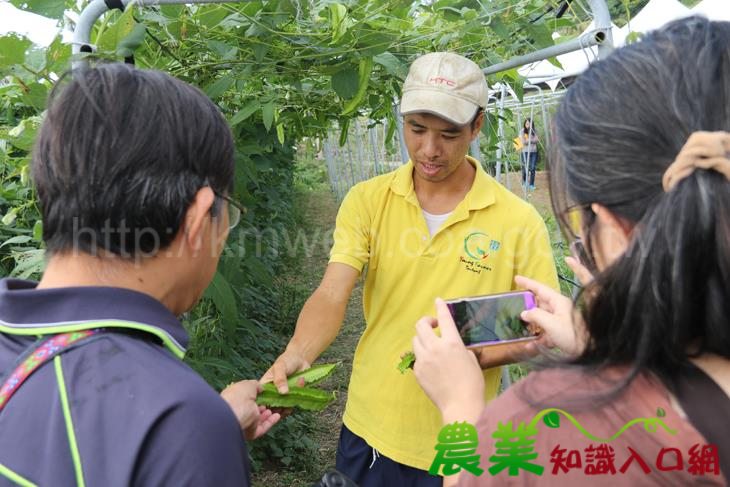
[(255, 420), (288, 363)]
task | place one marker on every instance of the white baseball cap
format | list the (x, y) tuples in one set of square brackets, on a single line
[(446, 85)]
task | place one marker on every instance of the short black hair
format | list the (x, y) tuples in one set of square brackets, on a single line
[(120, 156)]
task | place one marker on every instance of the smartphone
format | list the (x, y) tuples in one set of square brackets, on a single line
[(493, 319), (579, 252)]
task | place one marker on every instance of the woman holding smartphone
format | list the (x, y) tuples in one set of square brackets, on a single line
[(644, 157)]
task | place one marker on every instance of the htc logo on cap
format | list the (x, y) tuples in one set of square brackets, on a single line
[(439, 80)]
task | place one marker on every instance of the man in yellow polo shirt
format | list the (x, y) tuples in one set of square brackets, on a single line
[(437, 226)]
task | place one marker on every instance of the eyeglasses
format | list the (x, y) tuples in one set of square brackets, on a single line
[(234, 210), (574, 216), (234, 207)]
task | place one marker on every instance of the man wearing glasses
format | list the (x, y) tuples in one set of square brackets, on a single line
[(133, 170), (438, 226)]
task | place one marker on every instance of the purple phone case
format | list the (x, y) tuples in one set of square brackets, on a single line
[(529, 300)]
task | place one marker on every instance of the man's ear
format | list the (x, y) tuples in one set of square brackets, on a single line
[(477, 126), (196, 217)]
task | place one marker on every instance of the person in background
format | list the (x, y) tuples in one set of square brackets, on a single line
[(133, 171), (439, 225), (643, 155), (530, 146)]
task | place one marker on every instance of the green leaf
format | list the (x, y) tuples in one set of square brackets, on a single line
[(23, 135), (501, 29), (280, 133), (9, 217), (48, 8), (57, 55), (218, 87), (245, 112), (541, 35), (221, 293), (519, 88), (392, 64), (554, 61), (225, 51), (267, 112), (28, 263), (172, 11), (211, 15), (345, 82), (38, 231), (408, 359), (259, 51), (132, 41), (338, 21), (552, 419), (469, 14), (115, 33), (18, 239), (633, 37), (254, 30), (372, 41), (36, 96), (660, 413), (12, 49), (313, 375), (35, 58)]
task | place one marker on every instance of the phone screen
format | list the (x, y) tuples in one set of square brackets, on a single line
[(492, 319)]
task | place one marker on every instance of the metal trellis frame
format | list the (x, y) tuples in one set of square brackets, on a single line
[(81, 41), (600, 36)]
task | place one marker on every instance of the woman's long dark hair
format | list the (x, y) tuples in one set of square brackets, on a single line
[(619, 127), (532, 127)]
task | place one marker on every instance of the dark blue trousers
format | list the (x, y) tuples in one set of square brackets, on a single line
[(368, 468), (529, 166)]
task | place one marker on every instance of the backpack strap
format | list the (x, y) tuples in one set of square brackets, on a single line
[(706, 406), (40, 352), (167, 339)]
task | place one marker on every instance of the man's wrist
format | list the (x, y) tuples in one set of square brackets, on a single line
[(300, 350), (468, 411)]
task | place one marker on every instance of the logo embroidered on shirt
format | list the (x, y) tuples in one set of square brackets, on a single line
[(478, 246)]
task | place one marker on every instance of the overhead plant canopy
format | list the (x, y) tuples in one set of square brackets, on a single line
[(300, 65), (296, 66)]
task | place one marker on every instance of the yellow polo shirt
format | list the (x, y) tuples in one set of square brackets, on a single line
[(490, 237)]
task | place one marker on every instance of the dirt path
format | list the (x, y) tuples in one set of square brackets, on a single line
[(540, 197), (319, 209)]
